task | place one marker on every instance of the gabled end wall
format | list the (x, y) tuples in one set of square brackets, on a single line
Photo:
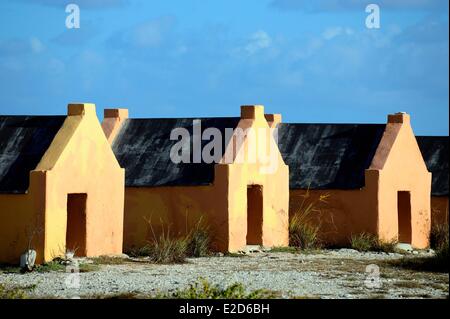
[(402, 169)]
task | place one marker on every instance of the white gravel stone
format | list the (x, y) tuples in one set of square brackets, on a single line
[(325, 274)]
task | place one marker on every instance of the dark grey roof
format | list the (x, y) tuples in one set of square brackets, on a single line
[(435, 153), (328, 156), (23, 142), (142, 147)]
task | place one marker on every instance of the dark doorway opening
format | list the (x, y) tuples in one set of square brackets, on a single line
[(254, 214), (404, 217), (76, 224)]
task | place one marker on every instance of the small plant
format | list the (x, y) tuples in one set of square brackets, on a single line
[(60, 264), (166, 249), (303, 235), (303, 229), (439, 236), (163, 249), (386, 246), (442, 257), (369, 242), (12, 292), (137, 252), (54, 265), (10, 269), (204, 290), (362, 242), (198, 240)]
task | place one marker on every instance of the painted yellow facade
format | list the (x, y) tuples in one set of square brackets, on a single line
[(398, 166), (224, 203), (78, 161), (248, 202)]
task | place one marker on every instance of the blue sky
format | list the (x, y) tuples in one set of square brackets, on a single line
[(311, 60)]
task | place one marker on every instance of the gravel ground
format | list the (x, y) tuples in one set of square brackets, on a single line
[(324, 274)]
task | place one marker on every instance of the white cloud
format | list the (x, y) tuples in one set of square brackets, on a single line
[(333, 32), (149, 34), (36, 45), (258, 41)]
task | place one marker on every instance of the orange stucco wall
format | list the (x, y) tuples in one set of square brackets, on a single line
[(274, 182), (402, 168), (223, 204), (22, 221), (16, 212), (173, 208), (340, 213), (79, 160), (397, 166), (439, 210)]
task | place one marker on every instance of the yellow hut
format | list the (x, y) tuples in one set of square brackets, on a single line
[(61, 187), (373, 178), (227, 172)]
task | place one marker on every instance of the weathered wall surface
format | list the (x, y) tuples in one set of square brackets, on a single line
[(272, 175), (22, 224), (402, 168), (223, 205), (339, 213), (151, 211), (439, 210), (397, 166), (79, 160)]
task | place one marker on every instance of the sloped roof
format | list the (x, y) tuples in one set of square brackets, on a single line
[(320, 156), (328, 156), (435, 153), (23, 142), (142, 147)]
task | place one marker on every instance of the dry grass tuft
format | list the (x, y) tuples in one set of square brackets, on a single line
[(166, 248), (304, 226), (369, 242)]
